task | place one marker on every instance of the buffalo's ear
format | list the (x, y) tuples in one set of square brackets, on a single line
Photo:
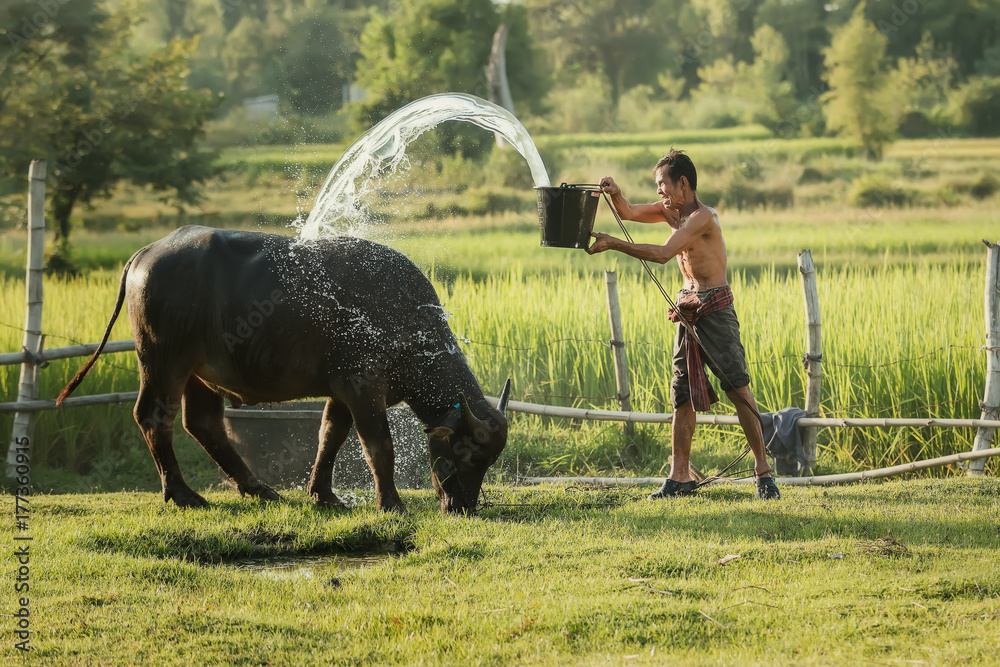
[(439, 432)]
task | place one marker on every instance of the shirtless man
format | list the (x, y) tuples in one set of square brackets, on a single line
[(697, 243)]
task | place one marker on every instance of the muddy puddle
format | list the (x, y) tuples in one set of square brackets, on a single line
[(323, 568)]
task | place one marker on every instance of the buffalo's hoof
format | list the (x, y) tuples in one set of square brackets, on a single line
[(396, 508), (260, 490), (184, 497), (328, 499)]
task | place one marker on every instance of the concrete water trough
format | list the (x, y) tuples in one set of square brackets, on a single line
[(279, 443)]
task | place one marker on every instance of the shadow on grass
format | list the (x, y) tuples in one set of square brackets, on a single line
[(917, 511), (236, 528)]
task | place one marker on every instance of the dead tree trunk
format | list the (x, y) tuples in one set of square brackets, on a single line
[(496, 76), (27, 389)]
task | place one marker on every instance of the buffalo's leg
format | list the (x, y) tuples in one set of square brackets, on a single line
[(155, 410), (203, 411), (337, 421), (376, 440)]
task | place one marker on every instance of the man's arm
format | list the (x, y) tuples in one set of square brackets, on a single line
[(680, 240), (634, 212)]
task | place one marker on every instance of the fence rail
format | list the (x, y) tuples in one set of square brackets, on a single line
[(732, 420), (82, 350), (71, 402)]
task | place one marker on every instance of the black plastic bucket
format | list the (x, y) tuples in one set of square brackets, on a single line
[(566, 215)]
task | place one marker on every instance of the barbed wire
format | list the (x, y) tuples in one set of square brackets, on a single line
[(900, 361), (74, 341), (605, 343)]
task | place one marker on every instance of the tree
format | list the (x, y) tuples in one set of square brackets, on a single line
[(756, 92), (434, 46), (803, 24), (925, 84), (302, 50), (626, 41), (861, 102), (75, 94), (771, 89), (315, 58), (968, 27)]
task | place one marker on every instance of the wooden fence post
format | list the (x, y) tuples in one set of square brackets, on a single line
[(991, 396), (27, 389), (813, 358), (618, 348)]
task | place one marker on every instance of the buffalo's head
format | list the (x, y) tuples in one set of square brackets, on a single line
[(466, 443)]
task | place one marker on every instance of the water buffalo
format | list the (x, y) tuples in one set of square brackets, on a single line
[(261, 318)]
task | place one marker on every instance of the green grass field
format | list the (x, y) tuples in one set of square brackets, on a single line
[(890, 573)]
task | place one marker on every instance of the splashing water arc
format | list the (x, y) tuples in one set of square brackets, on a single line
[(339, 207)]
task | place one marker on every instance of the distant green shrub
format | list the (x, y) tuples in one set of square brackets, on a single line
[(985, 186), (640, 111), (812, 175), (643, 159), (944, 196), (915, 124), (716, 111), (506, 167), (982, 187), (877, 191), (585, 108), (440, 210), (746, 195), (495, 202)]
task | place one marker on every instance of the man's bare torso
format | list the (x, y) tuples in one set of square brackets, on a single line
[(703, 263)]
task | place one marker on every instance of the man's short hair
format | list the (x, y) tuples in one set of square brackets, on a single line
[(679, 164)]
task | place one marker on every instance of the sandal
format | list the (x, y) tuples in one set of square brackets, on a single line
[(767, 489), (672, 489)]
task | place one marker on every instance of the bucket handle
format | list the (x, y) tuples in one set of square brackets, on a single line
[(577, 186)]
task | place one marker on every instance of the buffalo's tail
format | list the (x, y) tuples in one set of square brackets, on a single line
[(75, 382)]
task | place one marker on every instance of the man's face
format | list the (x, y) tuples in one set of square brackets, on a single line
[(669, 191)]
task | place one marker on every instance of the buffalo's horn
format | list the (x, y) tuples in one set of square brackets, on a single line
[(504, 397), (471, 420)]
